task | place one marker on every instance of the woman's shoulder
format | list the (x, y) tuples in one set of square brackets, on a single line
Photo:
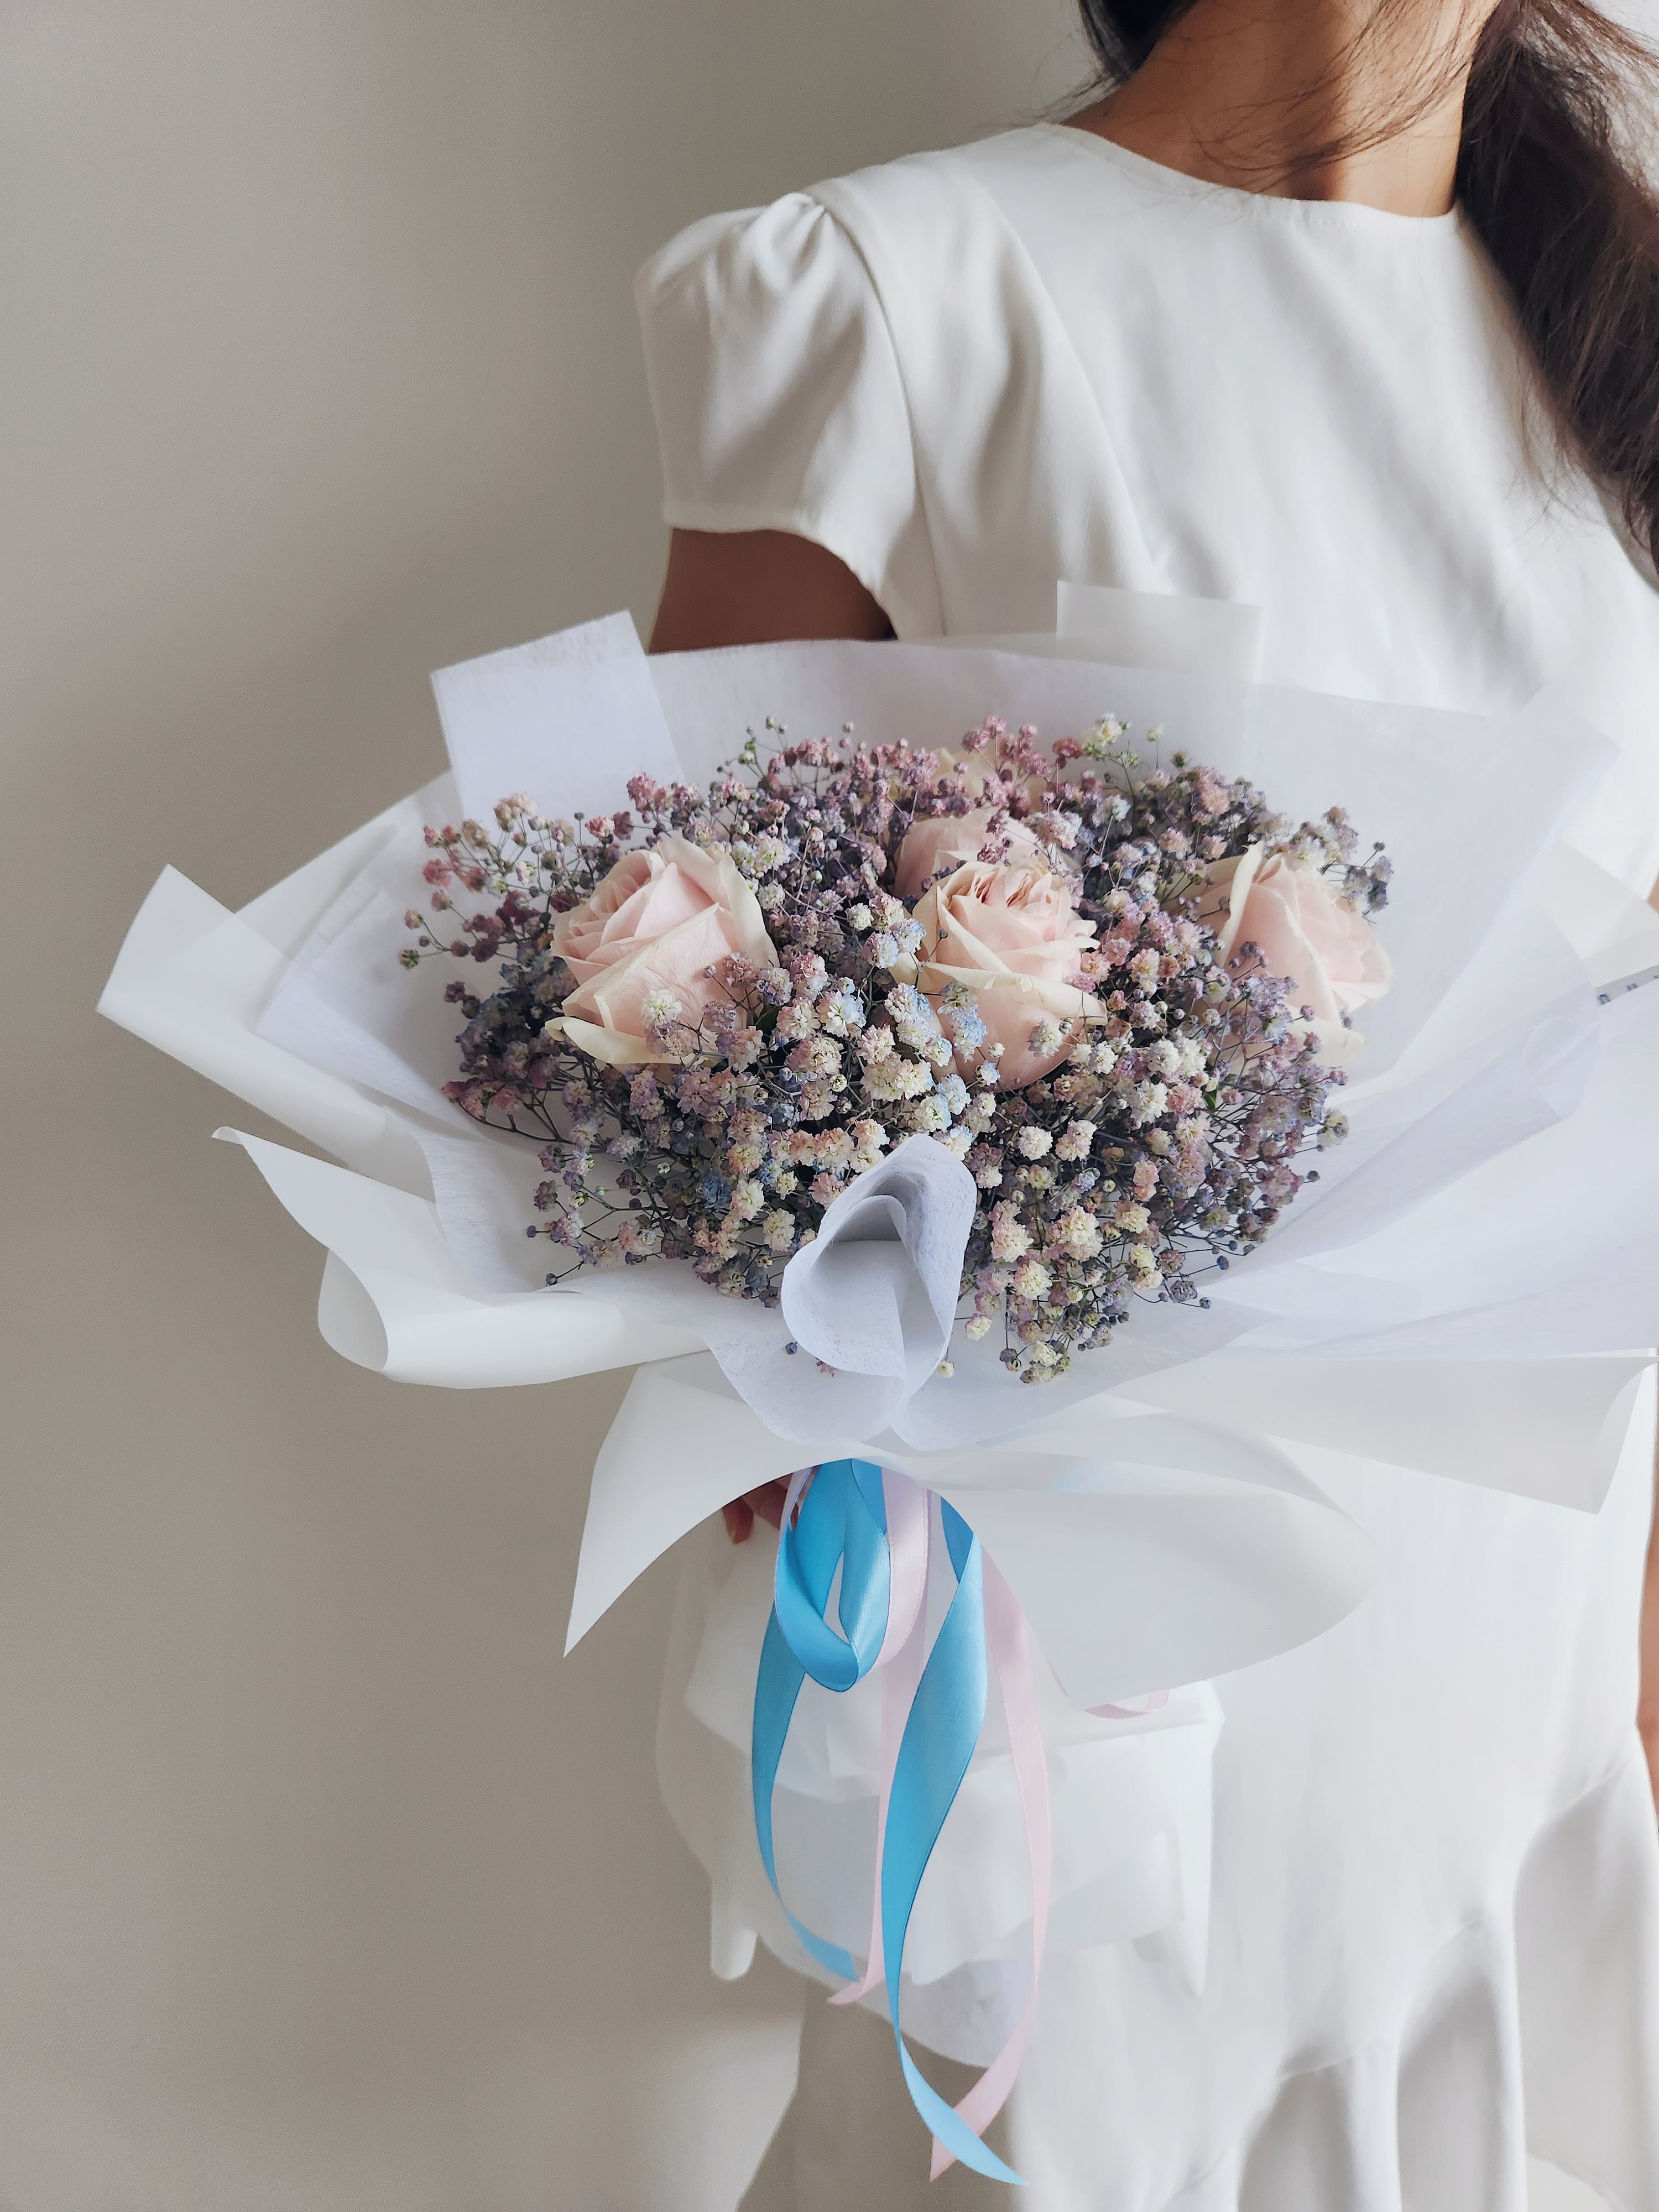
[(906, 220), (790, 350)]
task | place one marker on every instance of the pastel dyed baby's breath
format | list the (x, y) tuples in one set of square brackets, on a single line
[(1182, 1093)]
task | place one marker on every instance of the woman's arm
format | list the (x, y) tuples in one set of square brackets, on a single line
[(753, 587)]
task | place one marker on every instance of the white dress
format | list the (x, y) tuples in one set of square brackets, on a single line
[(1434, 1933)]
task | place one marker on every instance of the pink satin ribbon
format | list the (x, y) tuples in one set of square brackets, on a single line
[(1153, 1702), (1010, 1647)]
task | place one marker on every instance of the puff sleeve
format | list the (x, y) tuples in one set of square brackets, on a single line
[(779, 398)]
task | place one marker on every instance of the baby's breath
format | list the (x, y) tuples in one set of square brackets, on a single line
[(1162, 1146)]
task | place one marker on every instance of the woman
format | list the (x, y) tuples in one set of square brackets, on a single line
[(1355, 319)]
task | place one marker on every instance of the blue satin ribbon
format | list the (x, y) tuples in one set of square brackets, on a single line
[(842, 1523)]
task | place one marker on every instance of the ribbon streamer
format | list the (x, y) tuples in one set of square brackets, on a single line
[(909, 1525), (874, 1526)]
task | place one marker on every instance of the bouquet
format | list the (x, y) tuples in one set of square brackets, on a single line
[(714, 1013), (852, 1085)]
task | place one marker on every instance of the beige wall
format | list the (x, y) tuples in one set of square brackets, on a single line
[(324, 1880)]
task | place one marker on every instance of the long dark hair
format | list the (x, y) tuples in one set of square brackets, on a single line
[(1546, 175)]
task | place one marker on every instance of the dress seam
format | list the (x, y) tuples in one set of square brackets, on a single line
[(859, 246), (862, 225)]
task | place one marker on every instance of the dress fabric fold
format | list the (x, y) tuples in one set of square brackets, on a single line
[(1429, 1939)]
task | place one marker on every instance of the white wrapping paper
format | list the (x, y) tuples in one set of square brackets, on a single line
[(1470, 1290)]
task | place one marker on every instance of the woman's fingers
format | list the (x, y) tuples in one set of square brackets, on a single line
[(767, 1502), (740, 1514)]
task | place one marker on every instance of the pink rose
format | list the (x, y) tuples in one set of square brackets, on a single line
[(1308, 932), (940, 843), (644, 896), (1012, 935), (656, 922)]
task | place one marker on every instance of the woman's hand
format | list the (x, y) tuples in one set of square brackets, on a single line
[(767, 1501)]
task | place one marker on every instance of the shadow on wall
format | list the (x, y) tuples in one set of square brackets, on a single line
[(324, 1880)]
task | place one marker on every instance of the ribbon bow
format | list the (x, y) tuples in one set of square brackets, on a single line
[(876, 1527)]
